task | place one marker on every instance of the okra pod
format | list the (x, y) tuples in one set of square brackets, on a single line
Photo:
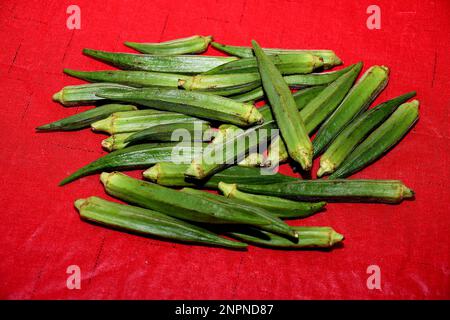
[(357, 101), (185, 64), (339, 190), (85, 119), (276, 225), (356, 131), (84, 94), (283, 106), (195, 104), (286, 64), (148, 222), (116, 141), (308, 237), (330, 59), (175, 203), (249, 96), (283, 208), (381, 140), (189, 45), (172, 175), (139, 156), (133, 121), (223, 84)]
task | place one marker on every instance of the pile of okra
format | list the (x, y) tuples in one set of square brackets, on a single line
[(169, 87)]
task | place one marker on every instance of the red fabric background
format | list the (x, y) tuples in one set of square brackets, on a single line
[(41, 233)]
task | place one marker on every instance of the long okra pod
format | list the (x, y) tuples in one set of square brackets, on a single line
[(172, 175), (381, 140), (356, 131), (283, 208), (139, 156), (283, 105), (148, 222), (341, 190), (185, 64), (195, 104), (188, 45), (308, 237), (85, 119), (175, 203), (357, 100)]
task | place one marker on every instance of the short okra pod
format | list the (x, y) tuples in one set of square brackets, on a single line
[(148, 222), (283, 106), (85, 119), (185, 64), (356, 131), (188, 45), (381, 140)]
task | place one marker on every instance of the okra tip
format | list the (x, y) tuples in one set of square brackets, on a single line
[(335, 237), (227, 188), (195, 171), (57, 96), (407, 192), (79, 203), (152, 173), (326, 167), (104, 176)]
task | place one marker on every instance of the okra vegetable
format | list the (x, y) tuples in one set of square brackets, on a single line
[(175, 203), (116, 141), (283, 106), (218, 156), (380, 140), (148, 222), (249, 96), (84, 94), (286, 63), (223, 84), (283, 208), (356, 131), (330, 59), (120, 122), (339, 190), (194, 44), (184, 64), (138, 156), (357, 101), (85, 119), (308, 237), (191, 103), (277, 225), (172, 175)]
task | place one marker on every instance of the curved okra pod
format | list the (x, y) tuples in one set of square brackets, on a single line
[(357, 101), (195, 104), (139, 156), (356, 131), (340, 190), (330, 59), (185, 64), (283, 208), (381, 140), (148, 222), (172, 175), (308, 237), (283, 106), (189, 45), (85, 119)]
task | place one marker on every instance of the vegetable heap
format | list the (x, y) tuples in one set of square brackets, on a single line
[(167, 94)]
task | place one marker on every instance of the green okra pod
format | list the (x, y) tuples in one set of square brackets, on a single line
[(195, 104), (85, 119), (188, 45), (339, 190), (148, 222), (138, 156), (330, 59), (249, 96), (175, 203), (283, 106), (133, 121), (308, 237), (356, 131), (381, 140), (286, 64), (116, 141), (283, 208), (357, 101), (172, 175), (185, 64), (84, 94)]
